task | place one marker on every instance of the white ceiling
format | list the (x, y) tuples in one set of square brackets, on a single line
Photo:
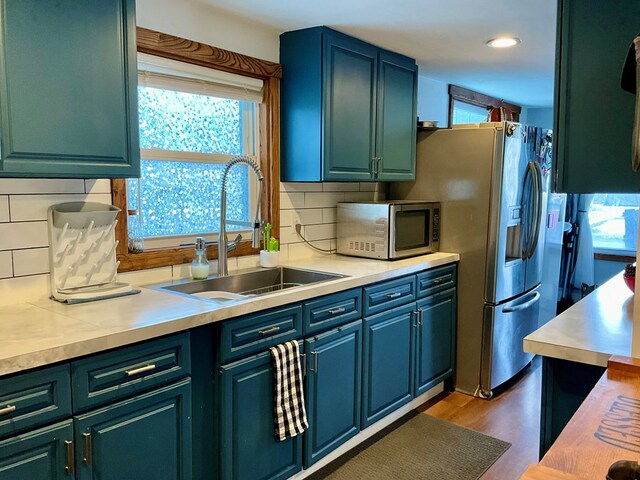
[(446, 37)]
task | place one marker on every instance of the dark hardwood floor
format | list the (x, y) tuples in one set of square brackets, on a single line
[(512, 415)]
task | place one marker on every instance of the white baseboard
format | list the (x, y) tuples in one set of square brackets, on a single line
[(370, 431)]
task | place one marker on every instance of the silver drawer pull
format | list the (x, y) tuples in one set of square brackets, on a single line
[(394, 295), (136, 371), (269, 331), (438, 280), (334, 311), (7, 409)]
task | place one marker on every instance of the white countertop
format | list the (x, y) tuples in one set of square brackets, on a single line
[(592, 330), (36, 334)]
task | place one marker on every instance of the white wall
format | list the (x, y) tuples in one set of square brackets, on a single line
[(433, 100), (209, 25)]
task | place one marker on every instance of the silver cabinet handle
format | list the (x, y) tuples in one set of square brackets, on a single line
[(69, 467), (420, 313), (315, 362), (415, 314), (136, 371), (269, 331), (394, 295), (334, 311), (7, 409), (87, 448), (438, 281)]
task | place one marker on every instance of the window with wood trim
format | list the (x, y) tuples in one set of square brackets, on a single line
[(467, 106), (182, 81)]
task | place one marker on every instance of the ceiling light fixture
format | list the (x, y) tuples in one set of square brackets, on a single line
[(503, 42)]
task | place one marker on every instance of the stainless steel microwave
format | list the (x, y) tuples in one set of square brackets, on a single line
[(389, 229)]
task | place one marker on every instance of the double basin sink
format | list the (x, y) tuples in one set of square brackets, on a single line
[(247, 284)]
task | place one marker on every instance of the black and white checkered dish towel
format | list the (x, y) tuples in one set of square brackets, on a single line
[(290, 416)]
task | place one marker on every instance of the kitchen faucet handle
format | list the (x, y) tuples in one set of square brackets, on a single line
[(231, 246)]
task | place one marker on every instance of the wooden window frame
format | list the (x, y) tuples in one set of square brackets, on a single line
[(188, 51), (465, 95)]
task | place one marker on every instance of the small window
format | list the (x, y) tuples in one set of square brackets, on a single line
[(614, 223), (468, 113), (190, 125)]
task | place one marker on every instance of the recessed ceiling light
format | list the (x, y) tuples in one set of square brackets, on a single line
[(503, 42)]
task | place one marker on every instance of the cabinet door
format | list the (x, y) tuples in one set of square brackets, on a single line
[(249, 448), (435, 341), (349, 106), (146, 437), (334, 364), (39, 454), (388, 362), (594, 116), (396, 119), (68, 100)]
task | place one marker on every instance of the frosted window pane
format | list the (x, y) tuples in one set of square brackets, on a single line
[(186, 122), (183, 198), (468, 113), (614, 221)]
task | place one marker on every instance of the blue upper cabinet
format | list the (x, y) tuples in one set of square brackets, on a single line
[(593, 115), (68, 99), (348, 109)]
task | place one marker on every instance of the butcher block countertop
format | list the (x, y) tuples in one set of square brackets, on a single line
[(604, 430)]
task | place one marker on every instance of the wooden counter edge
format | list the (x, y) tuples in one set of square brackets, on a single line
[(623, 364), (540, 472)]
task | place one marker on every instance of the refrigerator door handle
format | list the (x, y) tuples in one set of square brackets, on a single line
[(538, 208), (522, 306)]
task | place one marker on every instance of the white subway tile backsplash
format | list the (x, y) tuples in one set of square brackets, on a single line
[(324, 199), (370, 186), (4, 208), (40, 185), (358, 196), (6, 265), (304, 216), (30, 262), (97, 185), (14, 236), (288, 235), (340, 187), (329, 215), (320, 232), (250, 261), (292, 187), (299, 251), (34, 207), (291, 200)]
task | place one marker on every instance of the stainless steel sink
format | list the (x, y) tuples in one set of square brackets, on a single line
[(256, 282)]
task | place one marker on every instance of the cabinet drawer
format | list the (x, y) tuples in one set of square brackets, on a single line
[(436, 280), (254, 333), (123, 372), (33, 399), (331, 311), (386, 295)]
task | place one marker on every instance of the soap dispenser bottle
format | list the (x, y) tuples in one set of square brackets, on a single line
[(200, 265)]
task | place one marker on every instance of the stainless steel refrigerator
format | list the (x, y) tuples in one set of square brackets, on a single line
[(492, 180)]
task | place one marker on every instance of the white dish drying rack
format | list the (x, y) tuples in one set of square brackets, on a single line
[(82, 253)]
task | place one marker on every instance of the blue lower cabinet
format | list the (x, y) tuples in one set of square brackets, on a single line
[(145, 437), (388, 362), (38, 454), (334, 377), (435, 340), (249, 449)]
